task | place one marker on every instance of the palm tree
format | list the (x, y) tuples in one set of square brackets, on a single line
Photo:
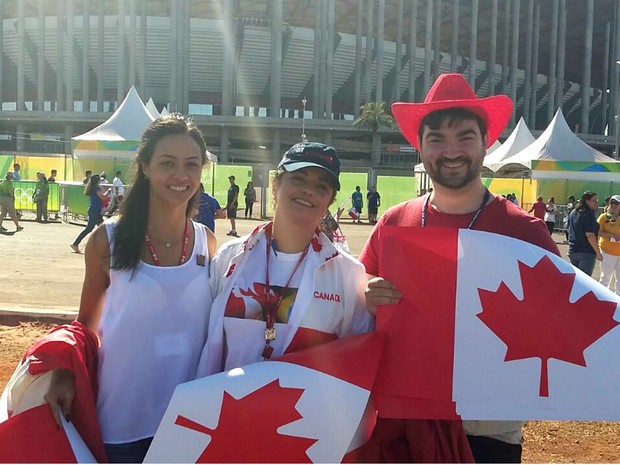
[(374, 116)]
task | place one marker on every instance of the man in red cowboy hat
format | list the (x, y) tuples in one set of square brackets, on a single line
[(452, 129)]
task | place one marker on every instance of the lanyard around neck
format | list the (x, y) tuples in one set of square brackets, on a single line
[(270, 310), (485, 200), (182, 258)]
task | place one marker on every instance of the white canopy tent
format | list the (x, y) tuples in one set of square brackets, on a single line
[(519, 139), (152, 109), (119, 135), (560, 145)]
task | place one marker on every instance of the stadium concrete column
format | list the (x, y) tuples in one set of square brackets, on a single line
[(473, 42), (67, 138), (369, 51), (559, 90), (357, 90), (536, 39), (21, 51), (100, 54), (132, 43), (41, 57), (428, 38), (454, 44), (60, 50), (276, 59), (85, 55), (2, 46), (505, 48), (514, 61), (493, 50), (605, 86), (174, 56), (527, 81), (224, 143), (616, 77), (20, 131), (185, 31), (412, 47), (323, 60), (121, 63), (399, 52), (329, 61), (70, 57), (142, 70), (553, 56), (227, 71), (380, 49), (436, 47), (316, 80), (587, 68)]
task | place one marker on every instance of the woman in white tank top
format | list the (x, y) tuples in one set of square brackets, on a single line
[(146, 291)]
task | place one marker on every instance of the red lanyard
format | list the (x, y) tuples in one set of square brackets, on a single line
[(272, 303), (149, 245)]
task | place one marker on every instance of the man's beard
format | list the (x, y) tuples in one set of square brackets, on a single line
[(453, 180)]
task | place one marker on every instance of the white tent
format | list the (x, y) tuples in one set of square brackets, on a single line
[(560, 145), (119, 135), (164, 111), (519, 139), (150, 106)]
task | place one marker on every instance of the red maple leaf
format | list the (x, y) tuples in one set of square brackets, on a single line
[(545, 324), (247, 428)]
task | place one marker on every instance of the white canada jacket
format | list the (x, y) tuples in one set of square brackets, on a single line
[(330, 304)]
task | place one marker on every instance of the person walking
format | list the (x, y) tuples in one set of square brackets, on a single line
[(609, 243), (250, 197), (232, 204), (452, 129), (40, 197), (146, 293), (551, 210), (7, 202), (96, 196), (583, 250), (285, 286), (118, 193), (539, 208)]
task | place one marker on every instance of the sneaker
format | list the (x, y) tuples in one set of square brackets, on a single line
[(232, 232), (19, 228), (75, 248)]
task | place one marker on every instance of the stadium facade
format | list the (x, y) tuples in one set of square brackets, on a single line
[(255, 74)]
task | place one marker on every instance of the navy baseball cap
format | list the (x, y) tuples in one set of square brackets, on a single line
[(312, 154)]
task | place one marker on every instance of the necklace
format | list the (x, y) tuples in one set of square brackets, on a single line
[(168, 244), (272, 303), (485, 200)]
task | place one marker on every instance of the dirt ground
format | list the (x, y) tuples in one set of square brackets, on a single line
[(39, 272)]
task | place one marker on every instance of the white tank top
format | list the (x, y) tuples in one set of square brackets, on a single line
[(152, 330)]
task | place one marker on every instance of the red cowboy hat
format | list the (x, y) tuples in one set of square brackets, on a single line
[(452, 91)]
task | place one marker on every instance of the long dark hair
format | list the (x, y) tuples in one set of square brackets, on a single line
[(583, 206), (132, 224), (92, 184)]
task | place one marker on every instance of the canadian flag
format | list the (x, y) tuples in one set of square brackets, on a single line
[(308, 406), (491, 327)]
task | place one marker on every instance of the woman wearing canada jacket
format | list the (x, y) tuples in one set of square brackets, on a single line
[(285, 287)]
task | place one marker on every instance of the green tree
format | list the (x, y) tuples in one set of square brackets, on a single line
[(373, 117)]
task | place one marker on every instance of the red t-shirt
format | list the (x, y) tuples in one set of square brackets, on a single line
[(539, 210), (500, 217)]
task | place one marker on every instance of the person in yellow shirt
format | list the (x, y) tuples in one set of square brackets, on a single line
[(609, 242)]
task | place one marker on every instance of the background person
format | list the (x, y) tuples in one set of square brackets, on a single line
[(374, 202), (146, 292), (118, 193), (539, 208), (7, 202), (16, 172), (232, 203), (609, 243), (40, 197), (358, 203), (570, 204), (250, 197), (209, 210), (285, 286), (583, 230), (96, 196), (452, 130), (550, 212)]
